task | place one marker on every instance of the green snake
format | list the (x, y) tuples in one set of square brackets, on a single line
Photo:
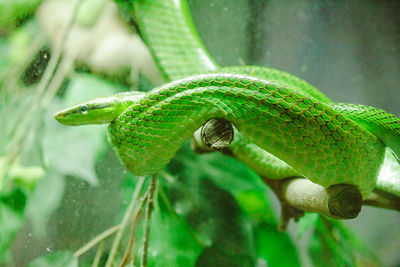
[(285, 127)]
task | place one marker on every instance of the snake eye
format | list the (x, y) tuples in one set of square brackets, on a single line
[(84, 109)]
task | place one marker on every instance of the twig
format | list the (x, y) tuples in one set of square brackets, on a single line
[(23, 122), (96, 240), (124, 222), (98, 254), (298, 195), (64, 67), (143, 262), (133, 227), (13, 72), (59, 48), (340, 201), (384, 200)]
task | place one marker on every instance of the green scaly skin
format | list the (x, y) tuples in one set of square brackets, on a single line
[(384, 125), (319, 142), (249, 153), (167, 41), (277, 112), (168, 30)]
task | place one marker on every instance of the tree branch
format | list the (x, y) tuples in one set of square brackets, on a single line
[(297, 194), (214, 135), (149, 208), (382, 199), (125, 220)]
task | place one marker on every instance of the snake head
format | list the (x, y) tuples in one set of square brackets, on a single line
[(97, 111)]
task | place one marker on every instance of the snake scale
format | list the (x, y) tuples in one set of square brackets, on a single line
[(285, 126)]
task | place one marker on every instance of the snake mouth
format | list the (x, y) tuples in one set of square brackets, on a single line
[(59, 116), (65, 117)]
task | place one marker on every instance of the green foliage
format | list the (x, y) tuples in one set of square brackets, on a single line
[(3, 54), (56, 259), (229, 208), (274, 247), (44, 201), (173, 241), (332, 244), (11, 222), (12, 12)]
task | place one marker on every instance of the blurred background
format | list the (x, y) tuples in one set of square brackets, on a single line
[(61, 186)]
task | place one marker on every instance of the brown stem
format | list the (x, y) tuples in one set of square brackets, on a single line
[(147, 221), (127, 216), (96, 240), (299, 195), (132, 231), (382, 199)]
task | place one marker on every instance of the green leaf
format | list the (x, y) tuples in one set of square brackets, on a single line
[(230, 205), (62, 258), (14, 199), (275, 247), (44, 201), (172, 242), (256, 205), (332, 244), (25, 177), (10, 223), (306, 222), (4, 58), (11, 12), (89, 12)]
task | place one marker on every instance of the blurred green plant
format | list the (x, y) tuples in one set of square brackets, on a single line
[(13, 12)]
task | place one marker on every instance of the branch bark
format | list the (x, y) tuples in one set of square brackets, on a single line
[(384, 200), (214, 135), (297, 195), (149, 208)]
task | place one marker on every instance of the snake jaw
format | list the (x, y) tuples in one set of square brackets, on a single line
[(65, 116), (100, 110), (88, 113)]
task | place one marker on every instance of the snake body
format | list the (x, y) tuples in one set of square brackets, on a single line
[(285, 126), (168, 30)]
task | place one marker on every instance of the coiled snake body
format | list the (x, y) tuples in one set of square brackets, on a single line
[(273, 111)]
